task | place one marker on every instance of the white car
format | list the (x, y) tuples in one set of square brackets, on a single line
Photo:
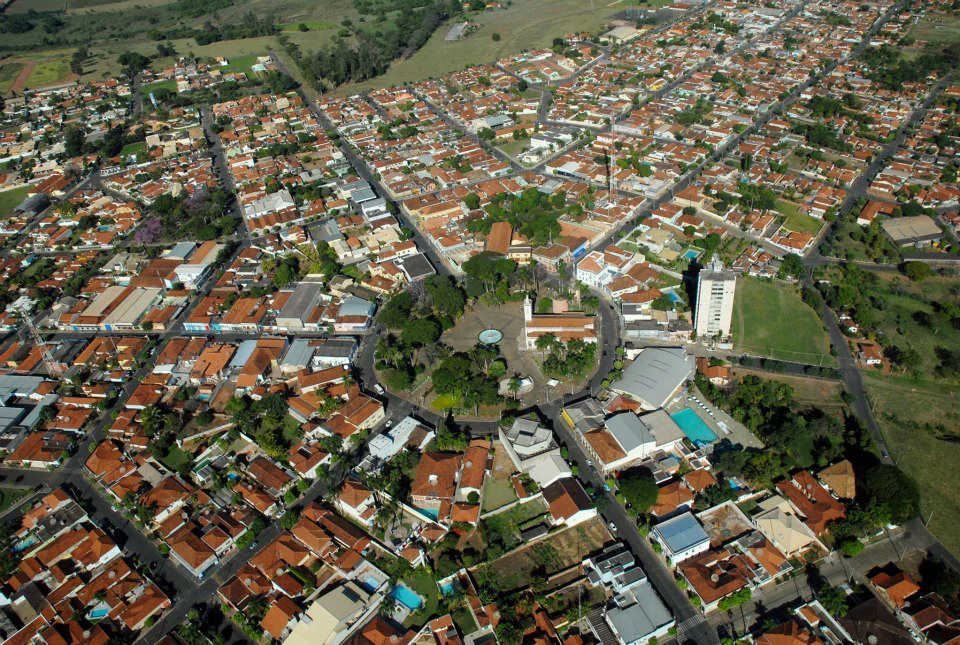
[(378, 388)]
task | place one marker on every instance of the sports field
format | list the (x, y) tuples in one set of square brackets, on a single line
[(770, 319)]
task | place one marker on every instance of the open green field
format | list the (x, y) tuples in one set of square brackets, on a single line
[(797, 221), (770, 319), (906, 303), (902, 406), (937, 28), (49, 72), (8, 74), (527, 24), (121, 5), (311, 25), (10, 199)]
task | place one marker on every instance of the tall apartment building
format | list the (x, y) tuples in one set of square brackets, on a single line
[(715, 291)]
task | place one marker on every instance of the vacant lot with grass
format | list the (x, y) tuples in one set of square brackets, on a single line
[(527, 24), (555, 553), (8, 74), (797, 221), (812, 392), (910, 320), (770, 319), (930, 454)]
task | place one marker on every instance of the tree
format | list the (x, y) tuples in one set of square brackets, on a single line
[(851, 547), (396, 312), (133, 62), (888, 487), (791, 267), (472, 201), (418, 332), (73, 140), (495, 36), (735, 599), (639, 488), (916, 271)]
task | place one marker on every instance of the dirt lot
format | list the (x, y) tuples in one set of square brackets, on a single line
[(555, 553)]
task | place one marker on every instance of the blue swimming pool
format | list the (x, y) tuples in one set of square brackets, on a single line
[(406, 597), (674, 297), (447, 588), (432, 513), (694, 427), (371, 584), (98, 613), (691, 254)]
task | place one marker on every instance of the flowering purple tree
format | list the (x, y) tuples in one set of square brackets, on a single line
[(149, 232)]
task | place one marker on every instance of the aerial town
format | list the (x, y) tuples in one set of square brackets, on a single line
[(640, 332)]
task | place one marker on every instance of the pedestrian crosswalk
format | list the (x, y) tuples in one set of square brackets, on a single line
[(688, 624)]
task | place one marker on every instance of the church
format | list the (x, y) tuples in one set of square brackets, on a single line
[(573, 325)]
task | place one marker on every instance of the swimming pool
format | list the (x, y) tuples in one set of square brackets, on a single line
[(406, 597), (432, 513), (98, 612), (694, 427), (691, 254), (447, 588), (371, 584), (674, 297)]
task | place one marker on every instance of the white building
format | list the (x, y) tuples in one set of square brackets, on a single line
[(716, 288)]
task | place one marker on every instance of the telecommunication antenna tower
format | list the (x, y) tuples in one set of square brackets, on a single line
[(53, 368)]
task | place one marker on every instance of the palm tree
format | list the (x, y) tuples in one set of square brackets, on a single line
[(515, 386)]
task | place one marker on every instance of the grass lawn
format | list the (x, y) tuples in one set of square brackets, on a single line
[(10, 496), (176, 459), (133, 148), (497, 493), (797, 221), (8, 74), (421, 581), (770, 319), (445, 402), (239, 64), (527, 24), (902, 405), (463, 619), (292, 431), (10, 199), (514, 147), (159, 85)]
